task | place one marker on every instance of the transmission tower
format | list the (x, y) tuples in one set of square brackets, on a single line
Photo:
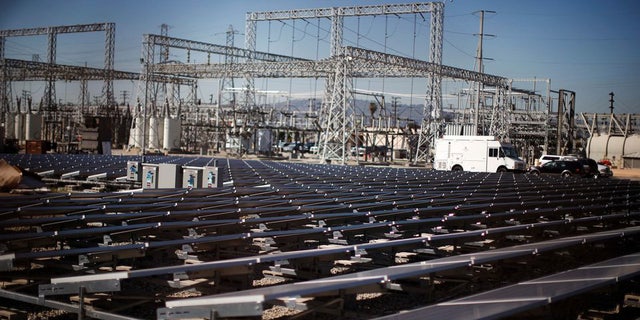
[(227, 95), (335, 113), (432, 123), (107, 89)]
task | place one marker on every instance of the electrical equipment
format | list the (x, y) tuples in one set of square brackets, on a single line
[(149, 176), (134, 171)]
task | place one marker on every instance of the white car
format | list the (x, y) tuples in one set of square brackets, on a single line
[(552, 157)]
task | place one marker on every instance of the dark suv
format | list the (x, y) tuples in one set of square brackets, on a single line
[(590, 166), (564, 168)]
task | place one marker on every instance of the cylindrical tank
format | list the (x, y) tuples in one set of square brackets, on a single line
[(597, 147), (153, 133), (33, 126), (172, 133), (631, 145), (135, 133), (19, 126), (10, 126), (264, 140), (612, 147)]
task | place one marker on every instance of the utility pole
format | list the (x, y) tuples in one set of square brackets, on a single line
[(124, 94), (611, 101), (394, 104), (480, 66)]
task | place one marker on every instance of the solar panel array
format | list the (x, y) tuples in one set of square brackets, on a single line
[(83, 166), (320, 232)]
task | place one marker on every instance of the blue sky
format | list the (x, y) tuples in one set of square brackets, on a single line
[(590, 47)]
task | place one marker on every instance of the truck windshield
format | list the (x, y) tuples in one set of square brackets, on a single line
[(508, 152)]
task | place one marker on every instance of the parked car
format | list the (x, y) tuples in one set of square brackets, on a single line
[(361, 151), (590, 167), (604, 171), (552, 157), (307, 147), (281, 145), (564, 168), (297, 146)]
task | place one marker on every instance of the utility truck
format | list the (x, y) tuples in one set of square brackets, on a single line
[(476, 154)]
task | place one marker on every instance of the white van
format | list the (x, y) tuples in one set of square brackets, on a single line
[(477, 154)]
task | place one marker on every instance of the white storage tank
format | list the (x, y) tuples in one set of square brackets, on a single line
[(172, 133), (153, 142), (612, 147), (19, 126), (10, 126), (135, 133), (264, 140), (33, 126), (597, 147)]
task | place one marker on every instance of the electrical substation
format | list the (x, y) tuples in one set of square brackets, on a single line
[(252, 203)]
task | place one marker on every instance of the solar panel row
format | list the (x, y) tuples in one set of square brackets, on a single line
[(298, 221)]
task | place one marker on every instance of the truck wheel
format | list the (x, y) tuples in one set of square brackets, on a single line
[(502, 169), (456, 168)]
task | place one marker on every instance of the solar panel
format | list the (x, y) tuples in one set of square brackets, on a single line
[(182, 309), (284, 216), (526, 295)]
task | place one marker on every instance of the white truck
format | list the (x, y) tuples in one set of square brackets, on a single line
[(476, 154)]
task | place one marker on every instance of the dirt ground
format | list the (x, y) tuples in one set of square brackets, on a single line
[(632, 174)]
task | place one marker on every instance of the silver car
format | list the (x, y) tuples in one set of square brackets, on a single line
[(604, 171)]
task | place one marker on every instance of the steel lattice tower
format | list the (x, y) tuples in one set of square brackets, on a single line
[(335, 109), (5, 106), (432, 124), (109, 49), (228, 97)]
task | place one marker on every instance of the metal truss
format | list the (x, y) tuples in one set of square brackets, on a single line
[(25, 70), (363, 63), (337, 129), (191, 45), (5, 95), (609, 123), (500, 124), (431, 125), (147, 92), (351, 62), (151, 67), (565, 130), (343, 64), (52, 32), (337, 15), (226, 96)]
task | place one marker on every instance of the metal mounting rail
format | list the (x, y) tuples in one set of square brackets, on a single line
[(141, 247), (110, 281), (222, 305), (527, 295), (72, 308), (438, 214)]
